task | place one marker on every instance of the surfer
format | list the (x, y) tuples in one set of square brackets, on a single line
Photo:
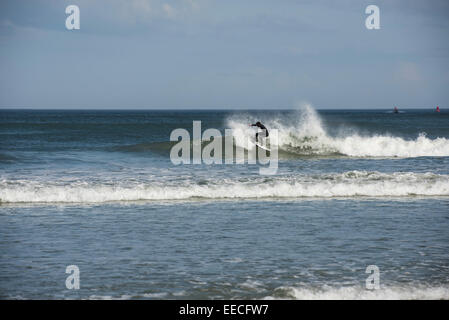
[(396, 110), (263, 133), (438, 109)]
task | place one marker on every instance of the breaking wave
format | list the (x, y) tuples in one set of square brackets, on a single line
[(395, 292), (306, 135), (360, 293), (348, 184)]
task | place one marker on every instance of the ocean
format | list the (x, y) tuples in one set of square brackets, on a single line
[(97, 189)]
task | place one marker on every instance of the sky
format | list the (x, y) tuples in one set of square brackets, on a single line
[(227, 54)]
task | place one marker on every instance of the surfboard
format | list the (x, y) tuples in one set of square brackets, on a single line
[(261, 146)]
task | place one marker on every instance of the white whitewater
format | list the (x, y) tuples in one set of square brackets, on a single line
[(348, 184), (306, 135)]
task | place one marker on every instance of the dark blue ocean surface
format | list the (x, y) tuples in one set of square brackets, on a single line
[(97, 189)]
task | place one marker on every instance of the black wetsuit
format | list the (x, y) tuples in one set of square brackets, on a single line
[(262, 127)]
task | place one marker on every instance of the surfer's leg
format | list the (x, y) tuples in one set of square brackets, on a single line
[(257, 135)]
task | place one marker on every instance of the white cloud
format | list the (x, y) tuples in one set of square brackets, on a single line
[(169, 10)]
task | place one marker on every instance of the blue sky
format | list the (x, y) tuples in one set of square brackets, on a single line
[(224, 54)]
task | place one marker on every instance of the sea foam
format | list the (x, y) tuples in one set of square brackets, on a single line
[(305, 134), (359, 293), (348, 184)]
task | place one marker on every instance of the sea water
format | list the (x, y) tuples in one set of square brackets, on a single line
[(97, 189)]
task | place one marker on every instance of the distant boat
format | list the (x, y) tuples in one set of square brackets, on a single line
[(438, 109), (396, 110)]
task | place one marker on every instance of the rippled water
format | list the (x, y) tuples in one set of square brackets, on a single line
[(97, 189)]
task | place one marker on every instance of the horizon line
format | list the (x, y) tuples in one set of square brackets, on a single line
[(205, 108)]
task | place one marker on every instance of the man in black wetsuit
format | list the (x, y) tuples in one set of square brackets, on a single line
[(263, 134)]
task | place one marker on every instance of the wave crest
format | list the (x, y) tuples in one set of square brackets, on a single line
[(360, 293), (306, 135), (348, 184)]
